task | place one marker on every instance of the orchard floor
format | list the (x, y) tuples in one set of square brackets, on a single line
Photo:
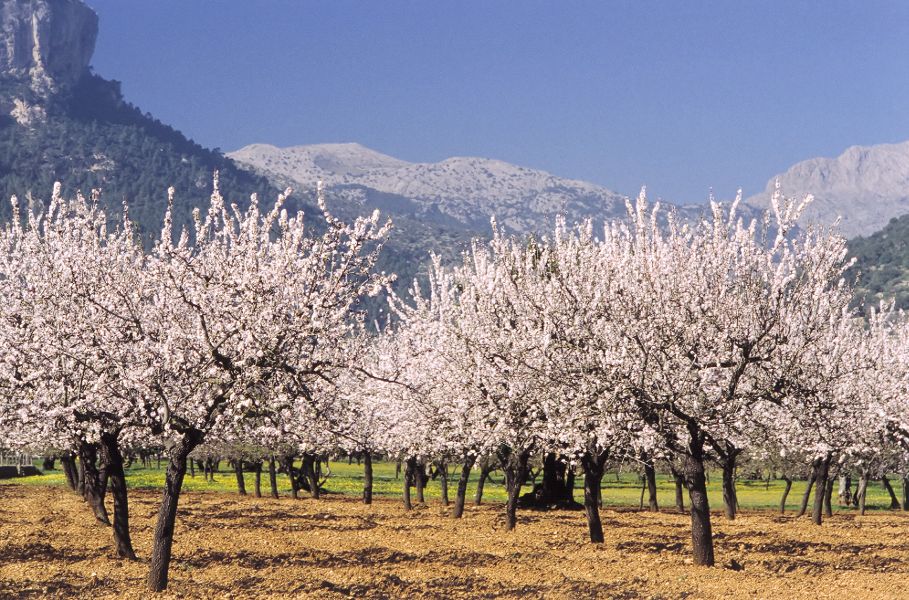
[(231, 547)]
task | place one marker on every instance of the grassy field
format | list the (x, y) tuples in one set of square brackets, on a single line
[(622, 489)]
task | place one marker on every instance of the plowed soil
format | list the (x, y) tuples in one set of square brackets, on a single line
[(232, 547)]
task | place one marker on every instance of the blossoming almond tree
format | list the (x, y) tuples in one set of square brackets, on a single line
[(247, 308), (71, 313)]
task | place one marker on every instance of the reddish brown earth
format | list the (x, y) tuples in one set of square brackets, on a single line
[(227, 547)]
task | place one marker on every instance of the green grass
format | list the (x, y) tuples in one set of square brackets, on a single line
[(618, 490)]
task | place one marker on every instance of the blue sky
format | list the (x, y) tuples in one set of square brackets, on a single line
[(681, 96)]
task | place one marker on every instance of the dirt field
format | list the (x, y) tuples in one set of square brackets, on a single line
[(227, 547)]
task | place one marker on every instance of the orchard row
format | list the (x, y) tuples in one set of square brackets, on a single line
[(649, 341)]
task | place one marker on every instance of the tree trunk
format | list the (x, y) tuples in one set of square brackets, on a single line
[(294, 482), (367, 478), (257, 482), (905, 481), (785, 495), (80, 477), (803, 507), (241, 481), (91, 483), (844, 494), (113, 461), (828, 497), (484, 475), (462, 486), (593, 479), (515, 466), (69, 470), (419, 478), (163, 539), (192, 468), (894, 501), (272, 477), (696, 480), (862, 492), (443, 482), (679, 488), (409, 468), (820, 492), (48, 463), (650, 477), (730, 498), (309, 472)]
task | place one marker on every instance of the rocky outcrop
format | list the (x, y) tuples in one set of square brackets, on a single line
[(45, 48), (864, 187)]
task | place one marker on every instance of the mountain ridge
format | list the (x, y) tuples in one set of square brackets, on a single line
[(864, 186)]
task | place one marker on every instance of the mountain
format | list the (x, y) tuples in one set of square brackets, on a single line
[(459, 192), (61, 122), (866, 186)]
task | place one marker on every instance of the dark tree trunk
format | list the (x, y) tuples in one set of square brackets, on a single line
[(80, 477), (48, 463), (69, 470), (679, 491), (785, 495), (309, 473), (443, 482), (515, 466), (163, 539), (905, 481), (730, 498), (192, 468), (409, 468), (820, 492), (462, 486), (113, 462), (367, 478), (894, 501), (828, 496), (91, 482), (593, 478), (556, 487), (569, 485), (257, 482), (419, 479), (650, 478), (241, 481), (484, 475), (696, 480), (294, 482), (272, 477), (803, 507)]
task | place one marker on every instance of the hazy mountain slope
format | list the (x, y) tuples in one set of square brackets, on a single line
[(866, 186)]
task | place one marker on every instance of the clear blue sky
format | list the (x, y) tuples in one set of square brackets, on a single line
[(681, 96)]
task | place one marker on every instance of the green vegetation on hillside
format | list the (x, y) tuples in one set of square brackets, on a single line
[(94, 139), (882, 264)]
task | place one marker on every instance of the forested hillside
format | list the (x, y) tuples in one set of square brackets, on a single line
[(882, 264), (94, 139)]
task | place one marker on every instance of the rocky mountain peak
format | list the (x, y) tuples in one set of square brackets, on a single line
[(864, 187), (45, 48)]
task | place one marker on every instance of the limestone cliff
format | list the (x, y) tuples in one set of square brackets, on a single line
[(45, 48)]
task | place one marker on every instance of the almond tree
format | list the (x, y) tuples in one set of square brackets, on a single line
[(714, 306), (249, 308), (71, 311)]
